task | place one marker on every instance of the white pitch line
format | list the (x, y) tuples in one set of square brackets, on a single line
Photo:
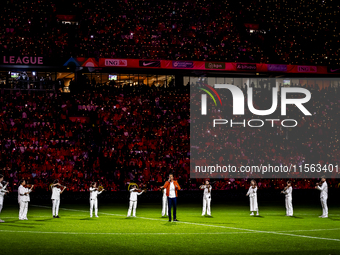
[(66, 209), (18, 217), (252, 230), (308, 230), (80, 233), (310, 237), (225, 227), (298, 214), (32, 217)]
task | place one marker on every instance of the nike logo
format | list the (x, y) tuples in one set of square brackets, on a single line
[(147, 64), (334, 70)]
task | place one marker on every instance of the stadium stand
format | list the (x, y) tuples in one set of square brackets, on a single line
[(268, 31)]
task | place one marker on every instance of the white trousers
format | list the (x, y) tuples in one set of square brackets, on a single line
[(132, 207), (206, 204), (55, 207), (165, 206), (324, 206), (1, 202), (289, 206), (94, 204), (23, 208), (253, 204)]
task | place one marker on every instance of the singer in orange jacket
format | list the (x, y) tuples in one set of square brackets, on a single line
[(171, 187)]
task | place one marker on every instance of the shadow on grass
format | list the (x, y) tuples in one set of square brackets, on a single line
[(285, 216), (170, 224), (24, 222), (18, 226), (296, 217), (334, 218), (202, 217), (45, 219)]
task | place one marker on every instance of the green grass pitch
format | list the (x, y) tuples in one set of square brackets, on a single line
[(230, 231)]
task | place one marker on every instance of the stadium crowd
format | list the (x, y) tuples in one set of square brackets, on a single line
[(117, 135), (268, 31)]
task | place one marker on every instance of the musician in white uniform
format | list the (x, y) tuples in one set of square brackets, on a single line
[(23, 199), (252, 193), (164, 203), (288, 191), (133, 201), (3, 191), (323, 187), (206, 198), (56, 191), (94, 199)]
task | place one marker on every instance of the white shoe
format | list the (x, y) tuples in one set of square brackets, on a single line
[(202, 214), (25, 219), (321, 216), (325, 216), (134, 216), (90, 216), (257, 214), (2, 221), (252, 214), (97, 216), (128, 216)]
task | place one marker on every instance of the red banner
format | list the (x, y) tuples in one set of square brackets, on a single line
[(199, 65)]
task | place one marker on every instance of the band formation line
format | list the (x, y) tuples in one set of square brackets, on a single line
[(169, 199)]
